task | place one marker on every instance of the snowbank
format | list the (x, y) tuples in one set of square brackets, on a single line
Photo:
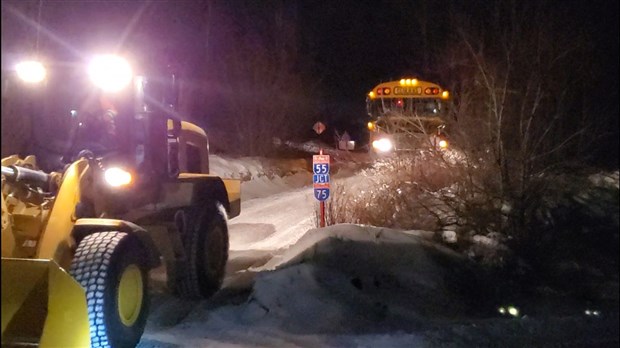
[(356, 286), (289, 285)]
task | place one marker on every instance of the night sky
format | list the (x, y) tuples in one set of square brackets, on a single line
[(347, 45)]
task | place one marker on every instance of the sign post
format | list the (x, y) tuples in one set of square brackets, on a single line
[(320, 180)]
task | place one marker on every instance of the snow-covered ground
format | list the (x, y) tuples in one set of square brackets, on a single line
[(289, 284)]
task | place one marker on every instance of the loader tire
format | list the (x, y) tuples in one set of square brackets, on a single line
[(205, 240), (111, 267)]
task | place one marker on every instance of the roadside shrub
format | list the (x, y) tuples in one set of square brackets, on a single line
[(570, 221), (407, 192), (437, 191)]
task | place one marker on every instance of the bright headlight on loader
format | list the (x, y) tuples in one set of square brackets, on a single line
[(31, 71), (382, 145), (110, 73), (443, 144), (117, 177)]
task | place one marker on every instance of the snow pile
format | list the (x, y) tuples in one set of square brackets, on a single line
[(364, 276), (245, 168), (605, 180), (355, 286), (332, 285), (261, 177), (263, 186), (310, 146)]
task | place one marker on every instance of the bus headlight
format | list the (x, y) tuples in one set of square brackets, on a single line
[(382, 145), (117, 177), (110, 73), (30, 71)]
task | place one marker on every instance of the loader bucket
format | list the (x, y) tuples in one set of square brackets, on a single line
[(42, 305)]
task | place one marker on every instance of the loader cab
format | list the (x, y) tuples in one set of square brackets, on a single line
[(138, 127), (161, 139)]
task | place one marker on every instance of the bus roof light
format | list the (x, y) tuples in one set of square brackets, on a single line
[(386, 91)]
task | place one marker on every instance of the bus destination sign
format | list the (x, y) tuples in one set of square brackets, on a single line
[(400, 90)]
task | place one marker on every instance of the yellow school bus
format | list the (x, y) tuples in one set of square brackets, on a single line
[(406, 115)]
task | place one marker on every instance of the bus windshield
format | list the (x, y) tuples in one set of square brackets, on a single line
[(423, 107)]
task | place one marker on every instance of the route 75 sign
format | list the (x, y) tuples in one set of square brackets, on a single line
[(320, 177)]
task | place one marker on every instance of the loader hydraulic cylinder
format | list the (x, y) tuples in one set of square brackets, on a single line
[(15, 174)]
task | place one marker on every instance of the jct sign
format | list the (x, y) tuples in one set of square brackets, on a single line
[(320, 179)]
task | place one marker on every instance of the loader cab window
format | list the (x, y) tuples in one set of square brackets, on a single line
[(194, 164), (99, 132)]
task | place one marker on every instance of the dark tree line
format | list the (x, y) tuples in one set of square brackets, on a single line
[(255, 71), (260, 86)]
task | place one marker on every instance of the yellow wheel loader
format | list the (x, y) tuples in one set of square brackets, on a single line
[(132, 193)]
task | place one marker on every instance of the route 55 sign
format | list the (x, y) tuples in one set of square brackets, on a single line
[(320, 177)]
